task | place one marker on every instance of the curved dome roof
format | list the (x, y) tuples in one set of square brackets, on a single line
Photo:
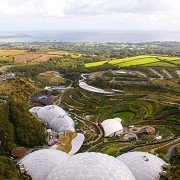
[(111, 126), (91, 166), (143, 165), (76, 143), (55, 116), (40, 163)]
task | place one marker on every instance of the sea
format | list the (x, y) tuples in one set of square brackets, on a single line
[(89, 36)]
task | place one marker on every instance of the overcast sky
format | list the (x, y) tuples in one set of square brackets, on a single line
[(20, 15)]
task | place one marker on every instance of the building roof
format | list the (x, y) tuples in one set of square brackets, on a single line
[(143, 165), (150, 130), (77, 143), (87, 87), (70, 143), (111, 126), (18, 152), (43, 99), (55, 116)]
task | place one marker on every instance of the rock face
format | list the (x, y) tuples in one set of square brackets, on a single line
[(55, 116)]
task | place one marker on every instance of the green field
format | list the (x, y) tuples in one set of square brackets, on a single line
[(160, 64), (140, 60), (11, 52), (95, 64), (171, 58), (6, 59), (124, 60), (176, 61)]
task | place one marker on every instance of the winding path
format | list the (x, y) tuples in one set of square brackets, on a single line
[(171, 150)]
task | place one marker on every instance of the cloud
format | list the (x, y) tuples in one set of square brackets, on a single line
[(90, 14), (62, 8)]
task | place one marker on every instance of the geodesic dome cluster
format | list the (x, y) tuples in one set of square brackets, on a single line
[(48, 164)]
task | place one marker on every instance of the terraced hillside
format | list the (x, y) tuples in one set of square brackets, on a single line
[(89, 110)]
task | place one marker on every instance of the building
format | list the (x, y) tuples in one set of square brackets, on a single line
[(18, 152), (43, 98), (112, 127), (86, 87), (55, 117), (149, 129)]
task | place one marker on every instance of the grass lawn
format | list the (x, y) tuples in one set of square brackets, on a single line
[(126, 116)]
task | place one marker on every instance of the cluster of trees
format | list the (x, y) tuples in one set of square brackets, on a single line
[(8, 169), (18, 127), (26, 128), (174, 171), (6, 130)]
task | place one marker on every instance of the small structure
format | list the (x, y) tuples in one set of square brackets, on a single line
[(150, 130), (158, 137), (43, 98), (18, 152), (5, 77), (112, 127)]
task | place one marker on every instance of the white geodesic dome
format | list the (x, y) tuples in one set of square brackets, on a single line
[(40, 163), (111, 126), (55, 116), (86, 166), (143, 165)]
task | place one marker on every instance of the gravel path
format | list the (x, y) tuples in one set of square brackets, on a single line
[(158, 74), (167, 74)]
